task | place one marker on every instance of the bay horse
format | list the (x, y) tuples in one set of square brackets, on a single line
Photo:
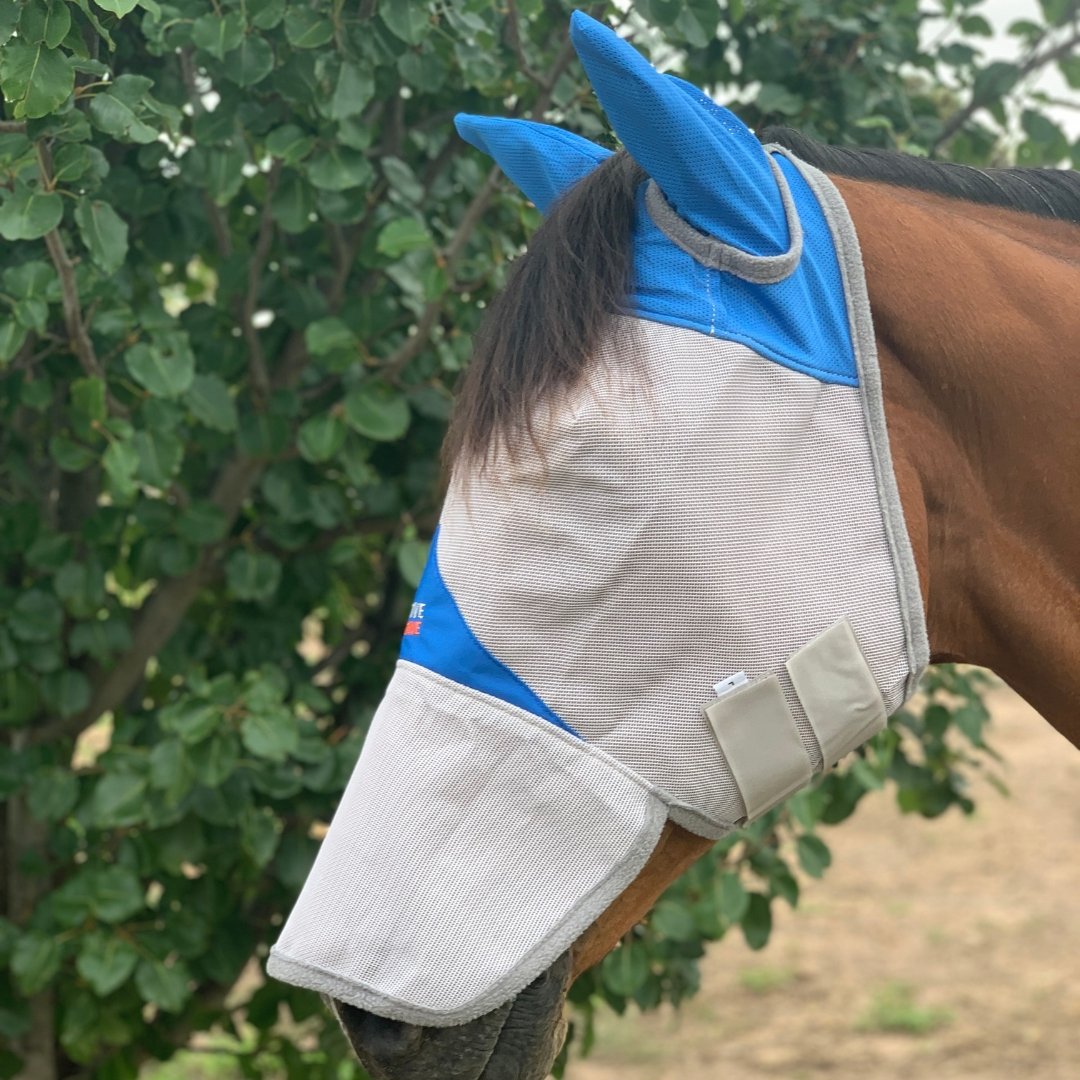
[(677, 300)]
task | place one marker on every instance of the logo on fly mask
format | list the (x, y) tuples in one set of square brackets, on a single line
[(416, 620)]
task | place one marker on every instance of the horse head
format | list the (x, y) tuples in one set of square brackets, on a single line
[(671, 582)]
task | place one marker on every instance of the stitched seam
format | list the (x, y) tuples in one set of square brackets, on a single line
[(769, 353), (557, 722)]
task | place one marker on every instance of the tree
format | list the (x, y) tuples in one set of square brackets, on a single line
[(244, 255)]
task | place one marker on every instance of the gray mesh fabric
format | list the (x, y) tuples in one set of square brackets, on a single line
[(697, 511), (473, 844)]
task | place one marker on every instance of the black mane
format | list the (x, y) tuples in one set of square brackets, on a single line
[(1052, 193)]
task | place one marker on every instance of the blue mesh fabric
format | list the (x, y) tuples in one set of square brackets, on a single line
[(800, 322), (707, 161), (543, 161)]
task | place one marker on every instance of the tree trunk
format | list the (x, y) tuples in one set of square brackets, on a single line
[(24, 835)]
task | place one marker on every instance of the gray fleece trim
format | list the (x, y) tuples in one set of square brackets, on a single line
[(861, 322), (533, 963), (707, 250)]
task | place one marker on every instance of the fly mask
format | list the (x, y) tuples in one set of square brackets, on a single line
[(699, 593)]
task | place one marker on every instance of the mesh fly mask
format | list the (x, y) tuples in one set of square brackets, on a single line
[(698, 596)]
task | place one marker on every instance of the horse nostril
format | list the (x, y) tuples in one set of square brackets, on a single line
[(380, 1043)]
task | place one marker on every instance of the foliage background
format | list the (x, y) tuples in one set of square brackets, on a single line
[(243, 256)]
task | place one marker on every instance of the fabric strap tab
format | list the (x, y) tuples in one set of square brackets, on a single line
[(758, 736), (838, 691)]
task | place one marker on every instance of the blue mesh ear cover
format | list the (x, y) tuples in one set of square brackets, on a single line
[(544, 161), (706, 161)]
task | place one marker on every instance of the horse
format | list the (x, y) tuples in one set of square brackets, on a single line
[(757, 429)]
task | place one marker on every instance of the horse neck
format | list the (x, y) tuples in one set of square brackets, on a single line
[(977, 317)]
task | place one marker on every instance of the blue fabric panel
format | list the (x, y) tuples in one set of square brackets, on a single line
[(705, 159), (438, 638), (800, 322), (544, 161)]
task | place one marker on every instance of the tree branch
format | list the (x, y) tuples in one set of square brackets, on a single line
[(513, 33), (12, 127), (413, 345), (416, 342), (167, 606), (260, 378), (78, 336), (1035, 61)]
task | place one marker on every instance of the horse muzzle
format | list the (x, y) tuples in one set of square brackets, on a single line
[(517, 1041)]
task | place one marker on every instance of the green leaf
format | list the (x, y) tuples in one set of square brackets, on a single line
[(773, 98), (35, 960), (100, 638), (218, 34), (104, 233), (338, 169), (625, 969), (732, 898), (202, 522), (320, 438), (307, 29), (114, 112), (12, 337), (161, 375), (45, 22), (326, 336), (250, 62), (9, 19), (161, 985), (191, 720), (272, 734), (355, 88), (120, 8), (52, 793), (757, 922), (408, 21), (1070, 68), (402, 235), (88, 397), (18, 697), (116, 892), (105, 962), (170, 769), (211, 403), (121, 462), (252, 575), (117, 800), (378, 411), (215, 760), (71, 456), (995, 80), (67, 692), (674, 920), (402, 180), (224, 173), (36, 617), (260, 832), (160, 454), (265, 14), (412, 556), (289, 143), (29, 213), (36, 80), (293, 203)]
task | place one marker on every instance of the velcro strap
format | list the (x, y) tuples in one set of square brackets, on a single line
[(838, 691), (761, 743)]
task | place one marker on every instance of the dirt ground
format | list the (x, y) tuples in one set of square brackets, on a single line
[(944, 949)]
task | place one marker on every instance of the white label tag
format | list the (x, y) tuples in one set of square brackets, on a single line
[(732, 682)]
